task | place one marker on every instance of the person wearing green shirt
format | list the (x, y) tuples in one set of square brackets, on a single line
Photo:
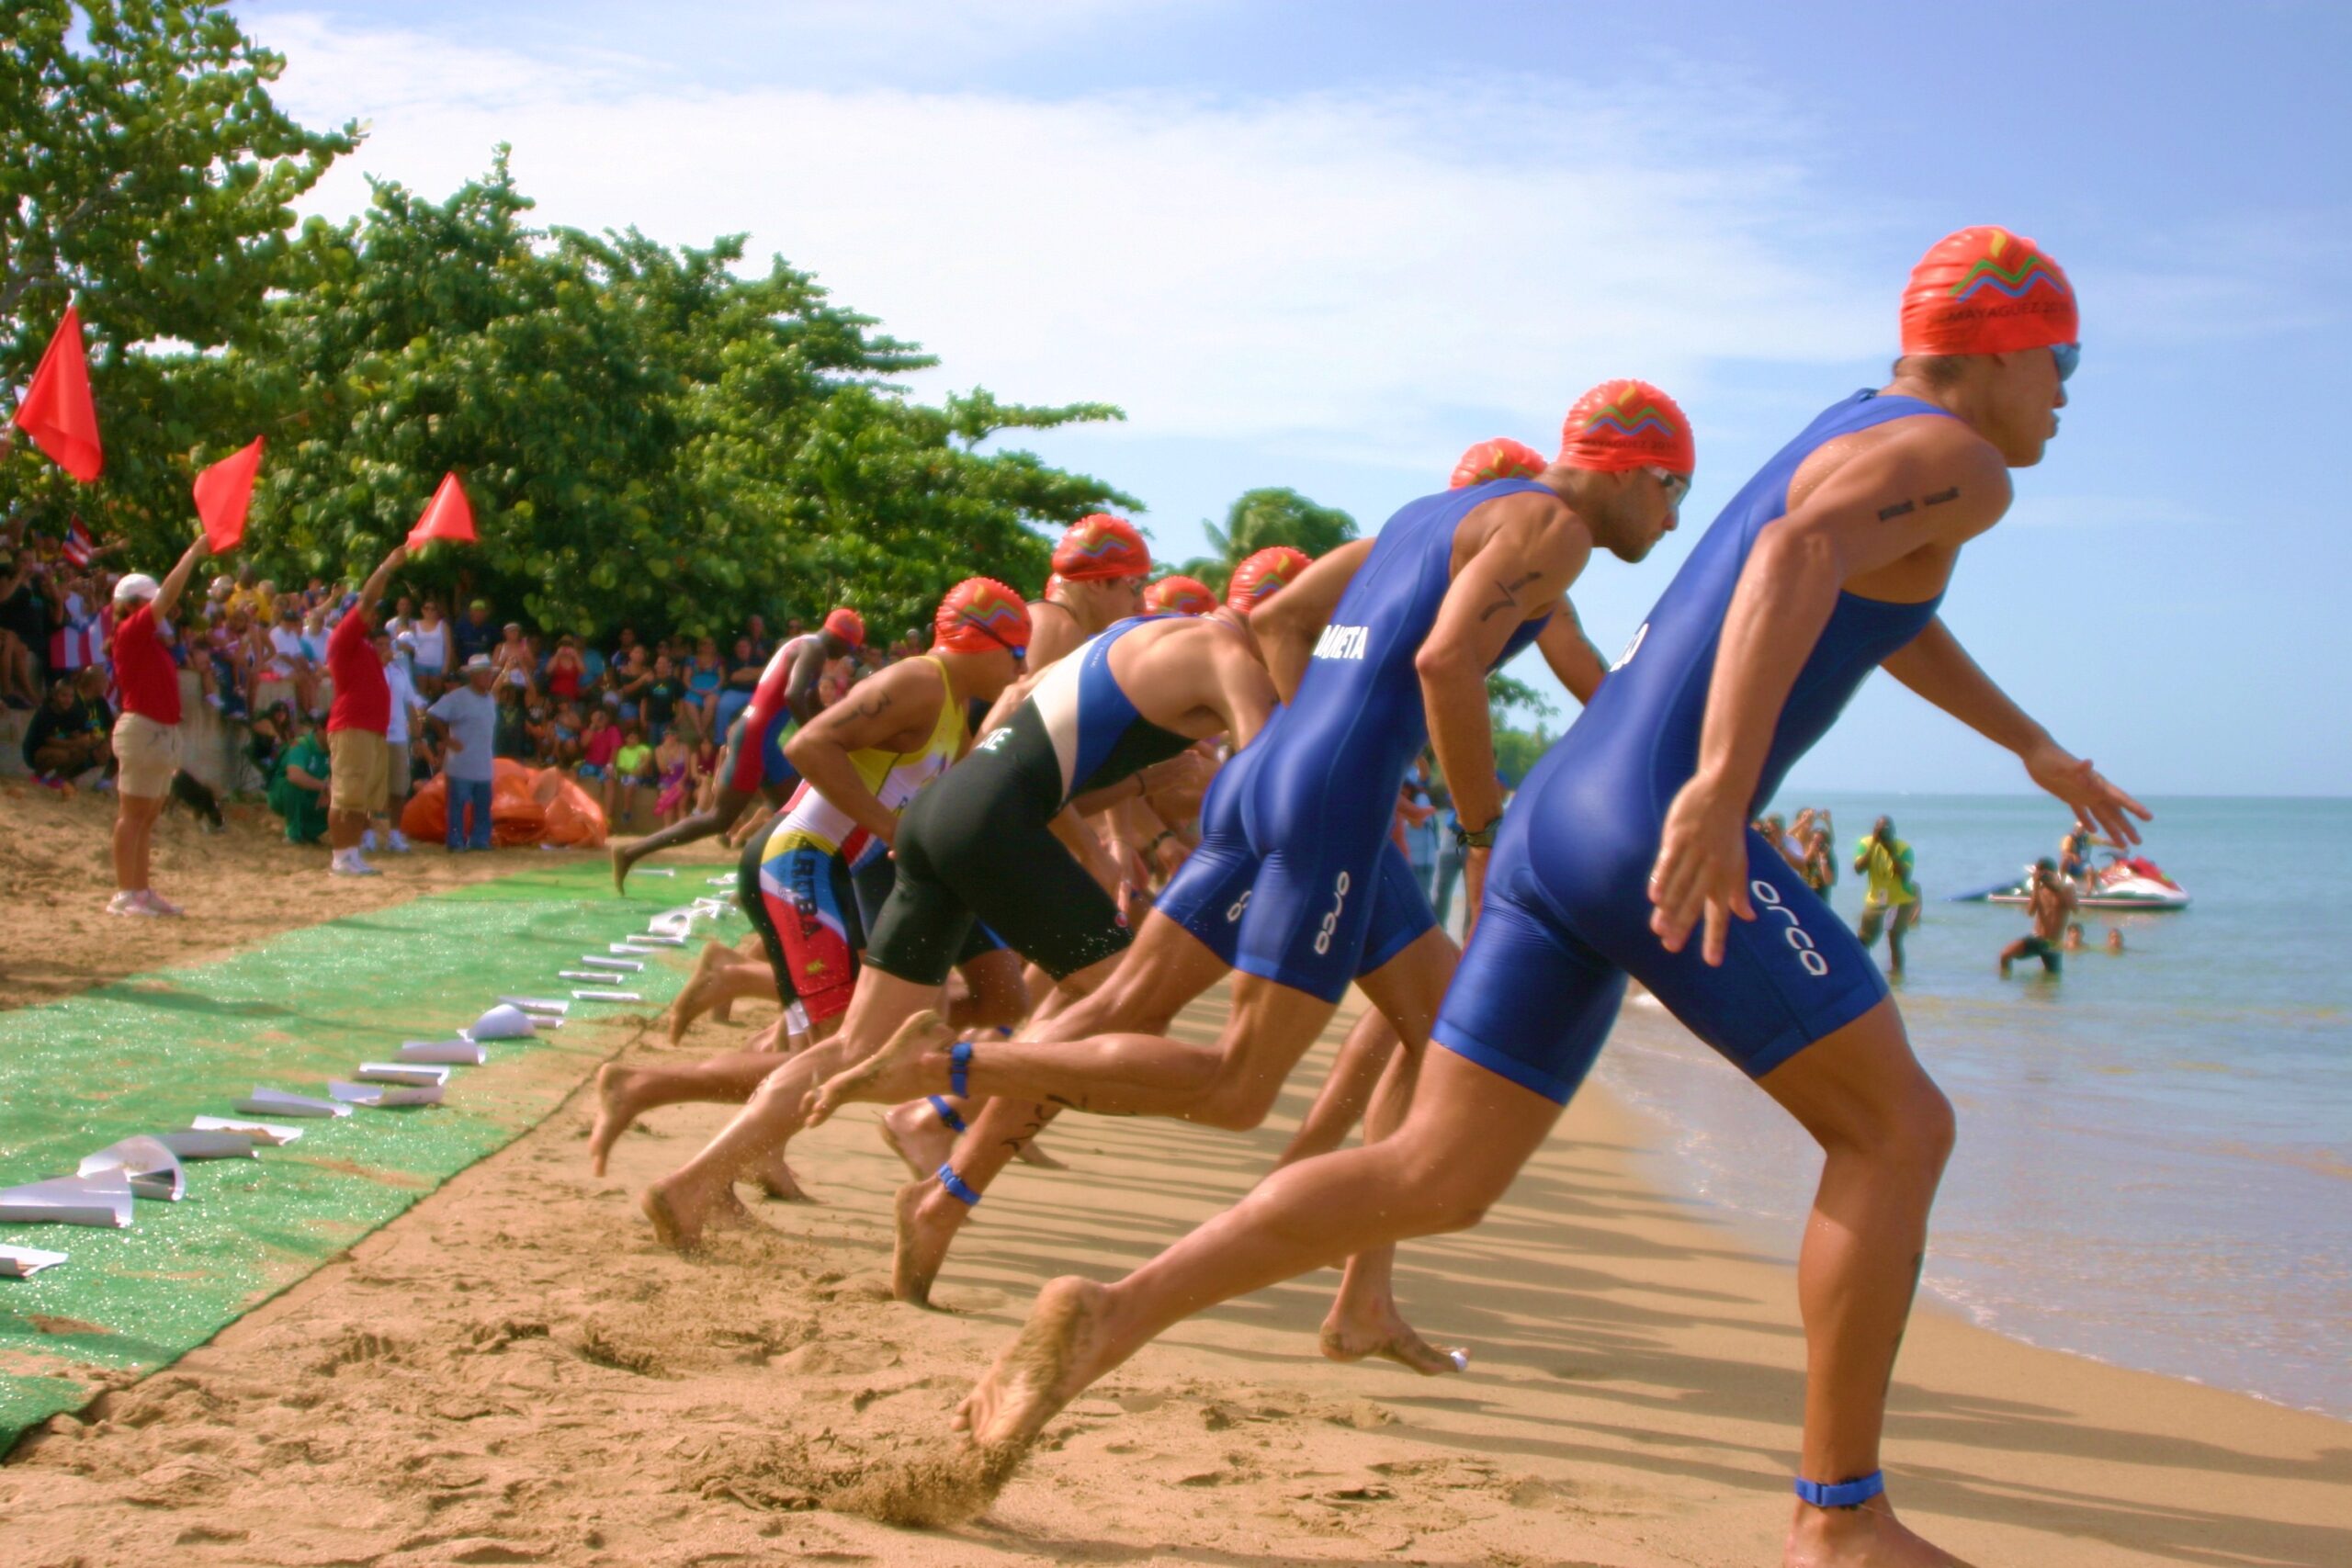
[(632, 765), (298, 784), (1886, 861)]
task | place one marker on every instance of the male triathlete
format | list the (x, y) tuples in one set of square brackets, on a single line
[(1100, 564), (1826, 564)]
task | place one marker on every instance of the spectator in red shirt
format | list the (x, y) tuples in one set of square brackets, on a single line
[(147, 736), (359, 758)]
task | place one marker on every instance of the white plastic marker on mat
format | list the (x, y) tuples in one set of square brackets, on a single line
[(149, 1166), (384, 1097), (597, 961), (410, 1073), (658, 939), (629, 947), (505, 1021), (608, 996), (458, 1053), (657, 871), (190, 1144), (556, 1005), (582, 975), (268, 1133), (103, 1200), (24, 1262), (266, 1101)]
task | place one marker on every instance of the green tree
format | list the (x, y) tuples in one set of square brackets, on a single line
[(1261, 518), (144, 168)]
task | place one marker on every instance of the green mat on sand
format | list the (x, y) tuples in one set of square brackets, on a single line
[(146, 1053)]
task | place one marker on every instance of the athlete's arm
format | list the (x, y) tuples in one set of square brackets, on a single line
[(1287, 625), (1245, 692), (890, 712), (1574, 660), (1934, 665), (174, 583), (1070, 827), (373, 589), (1531, 553), (1008, 702), (801, 693), (1932, 488)]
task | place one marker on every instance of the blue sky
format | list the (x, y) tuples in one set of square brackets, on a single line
[(1329, 245)]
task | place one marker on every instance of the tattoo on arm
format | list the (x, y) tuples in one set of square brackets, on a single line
[(1905, 508), (1510, 601), (873, 705)]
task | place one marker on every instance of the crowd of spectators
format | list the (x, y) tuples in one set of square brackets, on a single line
[(629, 717)]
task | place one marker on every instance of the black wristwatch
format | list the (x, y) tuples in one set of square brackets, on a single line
[(1483, 839)]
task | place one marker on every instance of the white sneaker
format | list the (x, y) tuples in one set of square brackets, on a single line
[(156, 904), (401, 845), (347, 863), (129, 904), (367, 840)]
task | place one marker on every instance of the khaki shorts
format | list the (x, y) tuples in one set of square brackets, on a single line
[(396, 770), (358, 764), (149, 754)]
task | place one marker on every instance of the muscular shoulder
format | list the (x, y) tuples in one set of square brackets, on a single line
[(1931, 453)]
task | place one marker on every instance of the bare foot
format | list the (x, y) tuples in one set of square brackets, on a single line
[(727, 1212), (1028, 1153), (917, 1135), (699, 994), (894, 1073), (926, 1227), (1352, 1333), (776, 1178), (1048, 1366), (622, 860), (616, 1110), (1867, 1537), (672, 1227)]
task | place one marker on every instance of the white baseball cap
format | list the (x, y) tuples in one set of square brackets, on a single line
[(138, 585)]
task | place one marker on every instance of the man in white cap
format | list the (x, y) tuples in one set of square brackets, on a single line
[(359, 724), (147, 734), (465, 720)]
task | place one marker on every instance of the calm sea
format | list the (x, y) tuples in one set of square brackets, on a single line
[(2154, 1164)]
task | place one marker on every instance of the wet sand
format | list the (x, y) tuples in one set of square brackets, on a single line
[(513, 1372)]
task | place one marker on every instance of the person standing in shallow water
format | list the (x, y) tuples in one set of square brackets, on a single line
[(1893, 901), (2051, 906)]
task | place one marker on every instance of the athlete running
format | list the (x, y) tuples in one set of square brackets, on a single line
[(755, 765), (988, 847), (1631, 836), (1297, 886)]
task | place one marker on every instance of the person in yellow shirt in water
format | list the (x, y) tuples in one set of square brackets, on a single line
[(1894, 897)]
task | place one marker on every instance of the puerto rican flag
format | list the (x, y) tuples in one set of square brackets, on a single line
[(79, 549)]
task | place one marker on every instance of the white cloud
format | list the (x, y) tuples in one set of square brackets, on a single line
[(1329, 270)]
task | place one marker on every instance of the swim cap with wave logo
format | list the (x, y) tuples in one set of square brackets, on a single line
[(1501, 459), (1627, 423), (1180, 595), (847, 624), (1985, 290), (979, 614), (1100, 545), (1264, 575)]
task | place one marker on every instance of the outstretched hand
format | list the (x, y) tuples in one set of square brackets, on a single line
[(1702, 870), (2073, 780)]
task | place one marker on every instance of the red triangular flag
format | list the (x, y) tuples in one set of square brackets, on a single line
[(448, 517), (224, 493), (57, 411)]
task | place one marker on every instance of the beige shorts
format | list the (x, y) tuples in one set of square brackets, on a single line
[(359, 764), (396, 770), (149, 754)]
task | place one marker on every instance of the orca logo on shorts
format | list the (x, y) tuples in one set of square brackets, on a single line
[(1808, 956), (995, 739), (1331, 920), (1233, 910), (1631, 647), (1342, 642)]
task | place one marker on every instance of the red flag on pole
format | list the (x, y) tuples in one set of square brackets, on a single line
[(446, 517), (224, 493), (57, 411)]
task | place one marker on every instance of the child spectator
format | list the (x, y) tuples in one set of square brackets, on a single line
[(673, 761), (705, 679), (598, 743), (632, 765), (298, 785), (567, 735), (565, 671), (538, 724), (658, 704), (512, 739)]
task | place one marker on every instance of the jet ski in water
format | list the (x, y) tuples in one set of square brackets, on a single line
[(2128, 882)]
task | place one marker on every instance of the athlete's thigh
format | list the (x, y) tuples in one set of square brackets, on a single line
[(1857, 1079), (1031, 891), (1272, 1026), (1400, 911), (1530, 1002), (1469, 1129), (1790, 976), (1210, 892), (1410, 987), (1166, 969)]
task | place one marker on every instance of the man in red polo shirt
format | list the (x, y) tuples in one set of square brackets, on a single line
[(147, 736), (359, 757)]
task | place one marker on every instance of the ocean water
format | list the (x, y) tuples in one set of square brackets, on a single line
[(2154, 1164)]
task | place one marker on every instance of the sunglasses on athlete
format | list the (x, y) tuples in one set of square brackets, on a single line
[(1020, 654), (1676, 486), (2066, 356)]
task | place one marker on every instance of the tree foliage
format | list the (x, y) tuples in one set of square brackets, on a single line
[(1260, 518), (144, 168)]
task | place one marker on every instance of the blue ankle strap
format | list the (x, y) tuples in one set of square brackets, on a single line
[(959, 1070), (1843, 1493), (956, 1186), (946, 1113)]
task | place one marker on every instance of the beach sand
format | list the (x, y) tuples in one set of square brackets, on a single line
[(513, 1372)]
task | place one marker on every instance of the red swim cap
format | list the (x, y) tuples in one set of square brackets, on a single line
[(1985, 290), (1183, 596), (1501, 459), (980, 614), (1100, 545), (1627, 425), (847, 624), (1257, 579)]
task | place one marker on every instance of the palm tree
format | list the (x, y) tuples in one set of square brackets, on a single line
[(1263, 517)]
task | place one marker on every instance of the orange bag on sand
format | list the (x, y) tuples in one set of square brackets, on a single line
[(573, 817), (526, 806)]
